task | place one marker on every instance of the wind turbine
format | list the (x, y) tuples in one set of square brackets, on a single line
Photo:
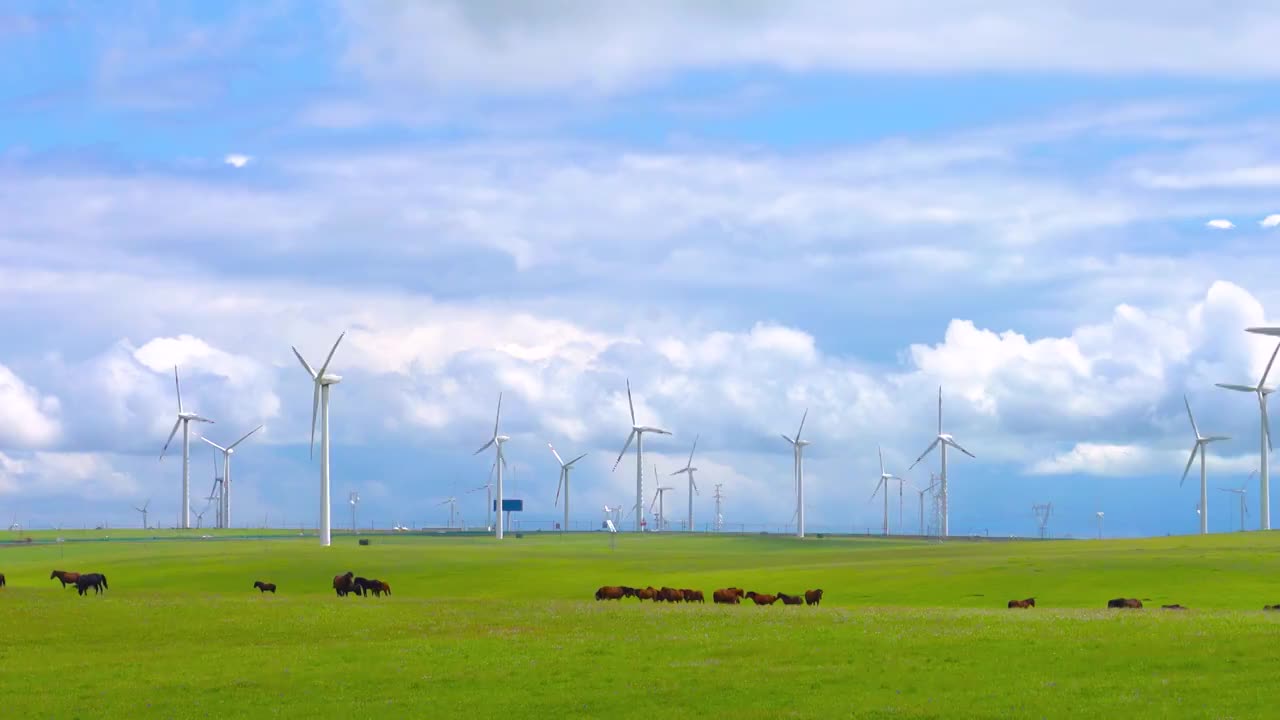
[(693, 486), (450, 501), (1200, 447), (320, 404), (1242, 494), (488, 499), (637, 434), (1099, 516), (200, 516), (500, 463), (943, 439), (564, 482), (797, 449), (659, 496), (184, 419), (1261, 391), (922, 492), (884, 483), (227, 452), (143, 510), (353, 499)]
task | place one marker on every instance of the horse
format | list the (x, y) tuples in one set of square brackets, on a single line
[(790, 599), (1271, 607), (264, 587), (67, 578), (611, 592), (1174, 606), (1028, 603), (377, 587), (693, 596), (759, 599), (2, 580), (97, 581), (384, 587), (362, 586), (1124, 603), (812, 597), (726, 596), (670, 595), (342, 583), (646, 593)]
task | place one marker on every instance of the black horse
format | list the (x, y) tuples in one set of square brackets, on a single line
[(264, 587), (97, 581), (2, 581), (363, 586)]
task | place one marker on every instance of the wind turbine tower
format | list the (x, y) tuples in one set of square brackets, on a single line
[(884, 484), (943, 440), (1099, 515), (184, 419), (1200, 448), (451, 502), (488, 499), (1242, 494), (1261, 391), (637, 434), (659, 497), (797, 449), (564, 482), (499, 463), (143, 510), (693, 486), (322, 380), (353, 499), (227, 452)]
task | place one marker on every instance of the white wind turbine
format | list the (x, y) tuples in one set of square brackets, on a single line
[(659, 496), (488, 499), (943, 439), (143, 510), (320, 404), (693, 486), (1261, 391), (884, 484), (637, 434), (499, 463), (922, 492), (1242, 494), (1099, 516), (797, 450), (227, 452), (184, 419), (564, 482), (1200, 447), (451, 502)]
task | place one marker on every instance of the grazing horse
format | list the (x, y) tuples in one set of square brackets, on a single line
[(362, 586), (728, 596), (2, 580), (377, 587), (342, 583), (812, 597), (693, 596), (1271, 607), (790, 599), (67, 578), (611, 592), (759, 599), (1028, 603), (264, 587), (647, 593), (1174, 606), (1124, 603), (670, 595), (97, 581)]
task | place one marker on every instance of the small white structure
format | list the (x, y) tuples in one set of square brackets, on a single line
[(884, 484), (693, 486), (564, 482), (227, 452)]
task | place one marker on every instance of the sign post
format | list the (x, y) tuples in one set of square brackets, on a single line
[(509, 506)]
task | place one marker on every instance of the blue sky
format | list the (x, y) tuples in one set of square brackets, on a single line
[(746, 212)]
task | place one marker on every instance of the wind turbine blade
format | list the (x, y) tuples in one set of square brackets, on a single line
[(1194, 449), (881, 454), (1240, 388), (325, 366), (876, 491), (630, 404), (484, 447), (177, 387), (1270, 362), (558, 486), (498, 417), (624, 449), (802, 419), (1193, 417), (789, 440), (172, 432), (683, 470), (939, 409), (956, 445), (928, 450), (1216, 438), (571, 462), (695, 447), (1266, 421), (244, 437), (213, 444), (203, 419), (553, 452), (315, 410), (305, 365)]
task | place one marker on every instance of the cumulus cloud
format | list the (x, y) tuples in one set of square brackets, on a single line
[(1271, 221), (1133, 461), (237, 161), (1220, 224), (27, 418), (45, 474)]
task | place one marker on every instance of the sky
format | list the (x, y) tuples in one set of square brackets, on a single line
[(1064, 214)]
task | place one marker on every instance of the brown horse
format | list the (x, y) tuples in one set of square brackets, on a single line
[(1028, 603), (759, 599), (726, 596), (790, 599), (812, 597), (264, 587), (611, 592), (1174, 606), (671, 595), (377, 587), (67, 578), (693, 596), (647, 593), (1124, 603), (97, 581), (342, 583)]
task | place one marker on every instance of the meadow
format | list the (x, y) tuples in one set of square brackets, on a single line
[(474, 628)]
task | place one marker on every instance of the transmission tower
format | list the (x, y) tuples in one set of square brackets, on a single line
[(1042, 518), (719, 524)]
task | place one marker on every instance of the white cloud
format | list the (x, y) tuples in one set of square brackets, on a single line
[(237, 161), (1271, 221), (469, 47), (1135, 461), (1220, 224), (1266, 176), (27, 418), (44, 474)]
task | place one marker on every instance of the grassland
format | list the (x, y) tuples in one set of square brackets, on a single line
[(478, 629)]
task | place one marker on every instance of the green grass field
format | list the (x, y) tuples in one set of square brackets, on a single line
[(479, 629)]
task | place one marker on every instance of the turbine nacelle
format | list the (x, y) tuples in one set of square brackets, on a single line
[(329, 379)]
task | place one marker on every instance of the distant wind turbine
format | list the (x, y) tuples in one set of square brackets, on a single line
[(883, 484), (797, 450), (320, 404), (659, 496), (1261, 391), (184, 419), (943, 440), (488, 499), (1242, 495), (564, 482), (637, 434), (227, 452), (451, 502), (1201, 448), (143, 510), (693, 486), (499, 462)]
